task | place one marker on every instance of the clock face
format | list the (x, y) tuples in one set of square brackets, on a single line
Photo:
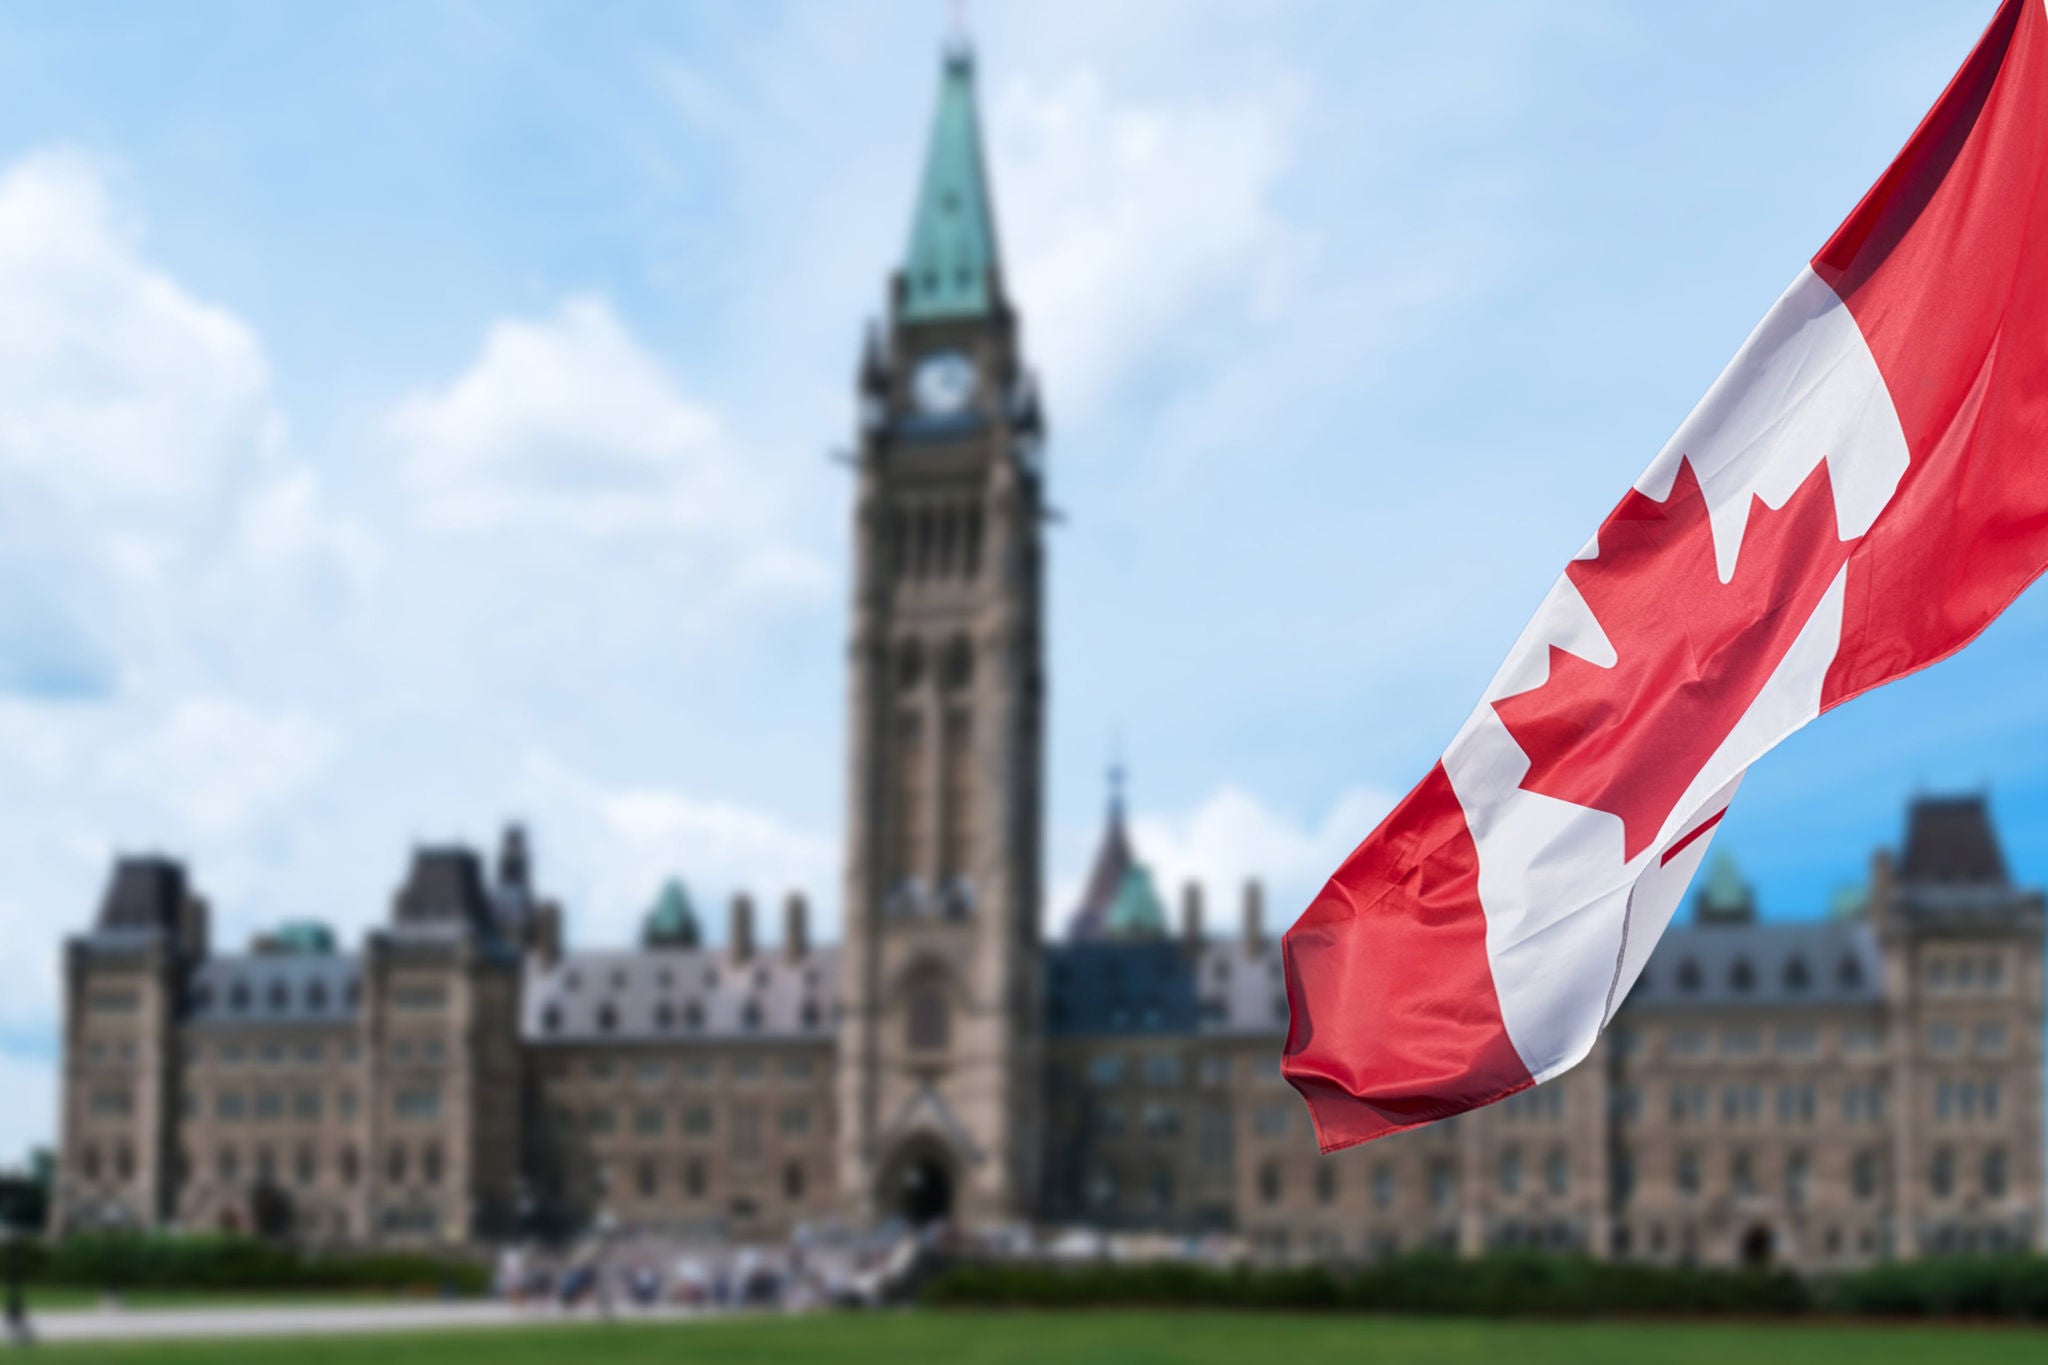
[(943, 383)]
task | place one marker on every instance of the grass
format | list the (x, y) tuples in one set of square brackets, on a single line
[(1116, 1339)]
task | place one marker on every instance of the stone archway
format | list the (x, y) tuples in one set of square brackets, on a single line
[(917, 1183)]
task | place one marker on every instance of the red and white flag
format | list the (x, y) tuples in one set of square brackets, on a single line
[(1861, 492)]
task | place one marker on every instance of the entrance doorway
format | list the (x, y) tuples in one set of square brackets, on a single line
[(917, 1185), (1757, 1247)]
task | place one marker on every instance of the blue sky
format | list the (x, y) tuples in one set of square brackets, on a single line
[(416, 415)]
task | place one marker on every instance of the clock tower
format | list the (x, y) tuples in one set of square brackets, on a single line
[(940, 1110)]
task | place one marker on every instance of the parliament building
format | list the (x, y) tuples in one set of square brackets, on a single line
[(1820, 1093)]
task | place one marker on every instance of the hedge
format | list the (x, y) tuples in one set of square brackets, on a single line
[(148, 1261), (1512, 1284)]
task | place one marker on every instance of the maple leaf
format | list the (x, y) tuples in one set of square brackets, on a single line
[(1691, 652)]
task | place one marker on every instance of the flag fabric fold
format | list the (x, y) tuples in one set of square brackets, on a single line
[(1859, 494)]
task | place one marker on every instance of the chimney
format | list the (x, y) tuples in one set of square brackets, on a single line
[(545, 934), (194, 928), (1191, 915), (1254, 917), (796, 936), (740, 942)]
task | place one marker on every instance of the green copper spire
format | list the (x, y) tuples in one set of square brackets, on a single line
[(953, 237), (1724, 897), (672, 922), (1136, 911)]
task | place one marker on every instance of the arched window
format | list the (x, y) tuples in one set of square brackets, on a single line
[(930, 1018), (693, 1016), (316, 996), (607, 1017), (551, 1019), (1797, 977), (1941, 1173), (810, 1014), (1863, 1175), (957, 670), (664, 1016), (1742, 977), (750, 1016), (238, 996), (1849, 974), (1689, 976), (280, 998), (1994, 1173)]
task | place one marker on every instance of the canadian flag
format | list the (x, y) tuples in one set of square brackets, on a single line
[(1859, 494)]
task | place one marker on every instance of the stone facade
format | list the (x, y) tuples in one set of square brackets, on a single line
[(1823, 1093)]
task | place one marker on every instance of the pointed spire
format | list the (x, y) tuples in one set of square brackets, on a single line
[(672, 921), (949, 269), (1113, 862), (1724, 896)]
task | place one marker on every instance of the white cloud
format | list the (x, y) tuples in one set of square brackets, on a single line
[(1126, 221), (1231, 836), (29, 1118), (619, 843), (566, 422), (214, 764), (117, 387)]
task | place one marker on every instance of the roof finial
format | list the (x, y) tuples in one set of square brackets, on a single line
[(1116, 776), (956, 28)]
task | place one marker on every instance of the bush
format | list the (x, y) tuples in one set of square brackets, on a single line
[(1507, 1284), (138, 1261), (1958, 1287)]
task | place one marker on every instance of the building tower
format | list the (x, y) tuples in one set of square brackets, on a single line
[(939, 1108)]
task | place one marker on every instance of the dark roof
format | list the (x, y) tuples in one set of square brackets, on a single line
[(306, 988), (1146, 986), (145, 893), (675, 994), (1126, 986), (1802, 962), (1949, 840), (444, 886)]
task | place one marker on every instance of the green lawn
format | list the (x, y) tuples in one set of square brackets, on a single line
[(1119, 1339)]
